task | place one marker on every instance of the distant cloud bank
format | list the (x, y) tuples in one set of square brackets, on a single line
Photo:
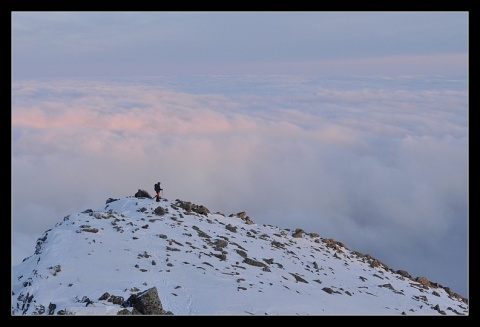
[(378, 163)]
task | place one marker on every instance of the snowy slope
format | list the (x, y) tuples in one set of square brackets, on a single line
[(208, 264)]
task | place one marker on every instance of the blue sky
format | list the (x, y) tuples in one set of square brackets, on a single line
[(162, 43), (352, 125)]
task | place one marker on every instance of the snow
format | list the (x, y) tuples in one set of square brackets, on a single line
[(134, 249)]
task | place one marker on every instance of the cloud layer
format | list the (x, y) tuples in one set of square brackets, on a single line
[(381, 165)]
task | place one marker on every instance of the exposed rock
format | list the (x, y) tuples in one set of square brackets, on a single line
[(248, 221), (252, 262), (146, 303), (331, 243), (220, 244), (189, 207), (298, 278), (142, 194), (240, 215), (328, 290), (424, 281), (160, 211), (298, 233), (243, 254), (51, 308), (403, 273)]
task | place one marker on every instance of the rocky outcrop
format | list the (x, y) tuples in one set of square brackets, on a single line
[(142, 194), (144, 303), (190, 207), (243, 216), (298, 233)]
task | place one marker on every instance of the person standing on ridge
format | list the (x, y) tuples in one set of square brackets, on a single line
[(158, 189)]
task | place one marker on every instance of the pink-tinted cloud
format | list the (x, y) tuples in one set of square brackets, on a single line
[(369, 165)]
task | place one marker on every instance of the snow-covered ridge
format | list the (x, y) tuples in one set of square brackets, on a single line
[(204, 263)]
